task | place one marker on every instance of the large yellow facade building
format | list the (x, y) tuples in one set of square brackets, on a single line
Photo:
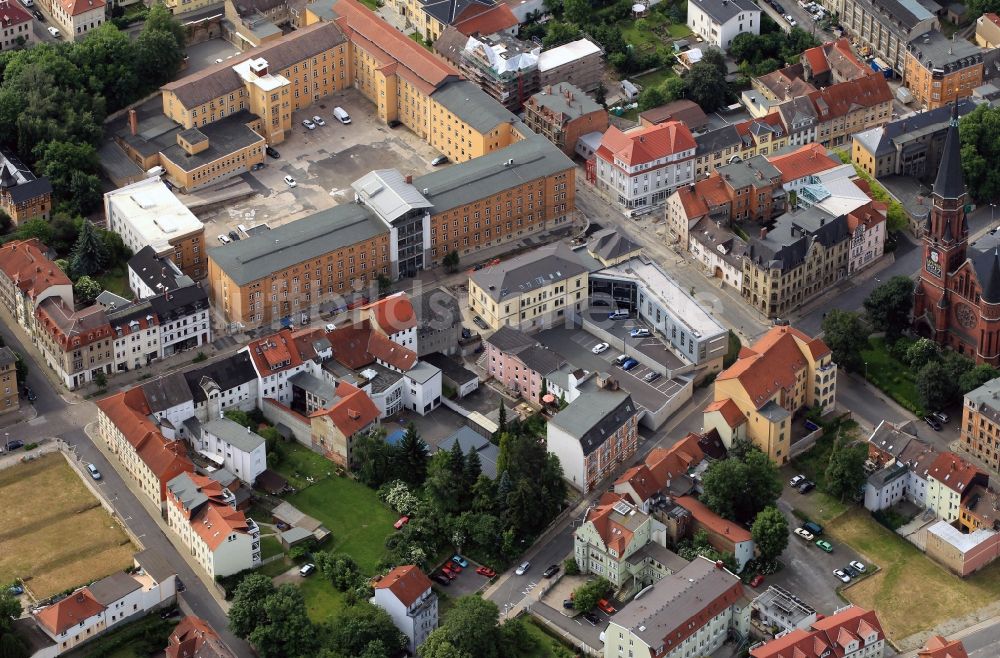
[(783, 372)]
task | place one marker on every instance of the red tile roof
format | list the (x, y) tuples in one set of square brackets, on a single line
[(407, 583), (11, 13), (77, 7), (712, 522), (614, 535), (478, 19), (953, 472), (730, 412), (806, 160), (275, 353), (772, 363), (939, 647), (843, 98), (827, 637), (74, 609), (193, 638), (394, 313), (707, 194), (353, 411), (993, 18), (817, 60), (869, 215), (72, 329), (357, 345), (390, 46), (645, 144), (661, 465), (391, 353), (27, 267), (215, 521)]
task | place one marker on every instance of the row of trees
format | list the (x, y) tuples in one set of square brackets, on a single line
[(705, 84), (54, 98), (980, 132), (11, 644), (759, 54)]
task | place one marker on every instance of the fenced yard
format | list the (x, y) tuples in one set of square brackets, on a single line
[(55, 534)]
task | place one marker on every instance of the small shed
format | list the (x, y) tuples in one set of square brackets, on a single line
[(957, 13), (294, 536), (630, 90)]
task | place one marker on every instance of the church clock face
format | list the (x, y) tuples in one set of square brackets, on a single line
[(965, 316), (933, 264)]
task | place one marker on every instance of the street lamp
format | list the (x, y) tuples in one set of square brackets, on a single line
[(866, 370)]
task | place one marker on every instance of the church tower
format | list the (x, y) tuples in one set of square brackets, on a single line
[(946, 237)]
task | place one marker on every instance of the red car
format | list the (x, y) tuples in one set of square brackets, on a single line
[(486, 571), (403, 520), (448, 572), (454, 566), (757, 580)]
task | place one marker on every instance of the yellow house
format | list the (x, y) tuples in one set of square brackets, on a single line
[(783, 372), (949, 480), (546, 285)]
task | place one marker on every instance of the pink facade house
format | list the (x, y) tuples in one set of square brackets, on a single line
[(517, 361)]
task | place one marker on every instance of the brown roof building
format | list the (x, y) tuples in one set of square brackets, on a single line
[(194, 638), (852, 632), (940, 647), (687, 112), (563, 113)]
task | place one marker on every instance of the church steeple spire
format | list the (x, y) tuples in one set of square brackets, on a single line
[(950, 183)]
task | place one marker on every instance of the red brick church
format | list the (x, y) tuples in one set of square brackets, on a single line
[(957, 300)]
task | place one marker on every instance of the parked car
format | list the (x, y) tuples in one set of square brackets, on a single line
[(805, 534), (272, 152), (756, 580), (791, 22), (454, 566), (825, 545), (592, 618), (568, 604), (839, 573), (794, 482), (606, 607), (39, 15), (94, 473), (30, 394), (446, 570), (806, 486), (812, 527), (460, 561), (651, 377), (640, 332), (522, 568), (440, 160), (941, 416), (290, 182), (403, 520), (318, 120), (600, 302), (618, 315), (224, 239), (307, 569), (441, 579), (600, 347), (629, 364), (481, 323), (341, 115), (234, 236), (309, 124), (933, 422), (858, 566), (54, 32), (15, 590), (620, 359), (486, 571), (851, 571), (257, 166), (180, 585), (394, 123), (550, 571)]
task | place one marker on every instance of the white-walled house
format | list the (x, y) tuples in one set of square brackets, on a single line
[(719, 21), (405, 593), (233, 446)]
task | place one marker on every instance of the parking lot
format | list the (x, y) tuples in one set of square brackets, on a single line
[(324, 162), (465, 583), (577, 347), (808, 571)]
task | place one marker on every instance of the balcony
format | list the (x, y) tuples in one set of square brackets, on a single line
[(252, 528)]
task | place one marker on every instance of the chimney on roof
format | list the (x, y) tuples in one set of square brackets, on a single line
[(719, 564), (409, 179), (763, 232), (133, 121)]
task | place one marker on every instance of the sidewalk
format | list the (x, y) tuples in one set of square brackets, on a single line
[(25, 412), (155, 514)]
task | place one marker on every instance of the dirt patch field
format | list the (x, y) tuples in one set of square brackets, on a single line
[(55, 534)]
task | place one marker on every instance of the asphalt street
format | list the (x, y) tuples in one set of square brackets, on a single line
[(58, 418)]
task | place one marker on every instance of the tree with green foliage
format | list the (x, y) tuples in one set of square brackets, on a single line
[(976, 377), (340, 568), (286, 630), (980, 133), (846, 335), (739, 489), (705, 83), (845, 473), (740, 448), (248, 604), (86, 290), (410, 458), (888, 307), (159, 19), (559, 33), (471, 470), (372, 458), (502, 418), (450, 261), (471, 627), (365, 629), (922, 351), (674, 89), (586, 596), (89, 256), (157, 54), (21, 368), (652, 96), (6, 223), (934, 390), (770, 533)]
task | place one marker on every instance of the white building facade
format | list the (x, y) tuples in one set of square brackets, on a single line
[(719, 21)]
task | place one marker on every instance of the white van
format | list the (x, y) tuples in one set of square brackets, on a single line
[(243, 229), (341, 115)]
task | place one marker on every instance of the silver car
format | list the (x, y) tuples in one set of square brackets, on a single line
[(522, 568)]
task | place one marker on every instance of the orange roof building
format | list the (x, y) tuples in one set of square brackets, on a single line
[(640, 167), (79, 609), (940, 647), (27, 274), (852, 632), (150, 458), (194, 638), (394, 316), (405, 593), (950, 481), (664, 470), (784, 371), (334, 428), (807, 160), (725, 536)]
